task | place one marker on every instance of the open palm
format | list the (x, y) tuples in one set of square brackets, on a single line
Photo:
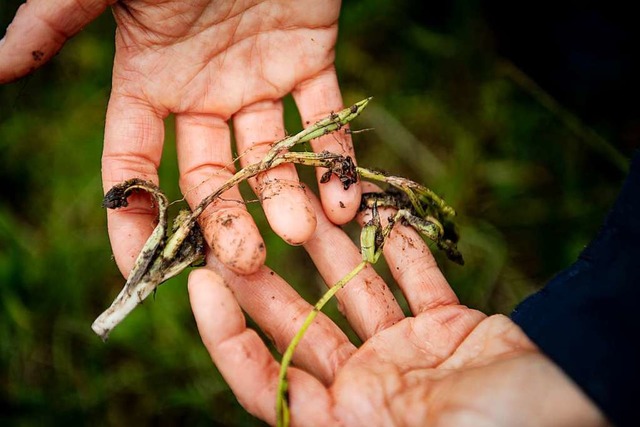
[(206, 62), (448, 365)]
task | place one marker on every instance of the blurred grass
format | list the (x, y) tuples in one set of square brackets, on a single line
[(530, 184)]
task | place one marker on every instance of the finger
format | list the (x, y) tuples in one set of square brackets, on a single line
[(412, 264), (243, 359), (205, 163), (366, 301), (280, 312), (39, 30), (316, 98), (285, 203), (134, 135)]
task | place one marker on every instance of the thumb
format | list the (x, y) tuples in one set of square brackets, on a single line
[(38, 31)]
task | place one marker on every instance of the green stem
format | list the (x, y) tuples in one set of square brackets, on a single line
[(160, 259), (324, 126), (275, 156), (412, 189), (282, 400)]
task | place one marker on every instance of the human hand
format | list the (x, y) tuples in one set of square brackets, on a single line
[(207, 62), (447, 365)]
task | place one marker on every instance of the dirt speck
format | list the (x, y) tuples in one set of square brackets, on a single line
[(37, 55), (342, 204), (368, 283), (407, 242), (227, 220)]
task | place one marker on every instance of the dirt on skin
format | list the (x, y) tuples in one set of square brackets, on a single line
[(286, 200), (235, 240)]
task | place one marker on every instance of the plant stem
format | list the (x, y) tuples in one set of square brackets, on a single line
[(282, 400), (153, 265), (273, 158), (414, 190)]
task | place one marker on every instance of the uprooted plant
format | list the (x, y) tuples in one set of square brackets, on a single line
[(165, 255)]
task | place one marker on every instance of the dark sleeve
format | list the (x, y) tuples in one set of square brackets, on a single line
[(587, 318)]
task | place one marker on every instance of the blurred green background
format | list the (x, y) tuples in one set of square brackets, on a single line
[(531, 158)]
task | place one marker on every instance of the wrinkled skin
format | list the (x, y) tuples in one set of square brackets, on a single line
[(208, 62), (447, 365)]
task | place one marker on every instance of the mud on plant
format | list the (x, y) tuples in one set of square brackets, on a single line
[(167, 253)]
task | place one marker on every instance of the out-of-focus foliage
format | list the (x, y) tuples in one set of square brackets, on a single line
[(530, 181)]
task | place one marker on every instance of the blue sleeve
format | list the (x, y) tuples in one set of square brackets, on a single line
[(587, 318)]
